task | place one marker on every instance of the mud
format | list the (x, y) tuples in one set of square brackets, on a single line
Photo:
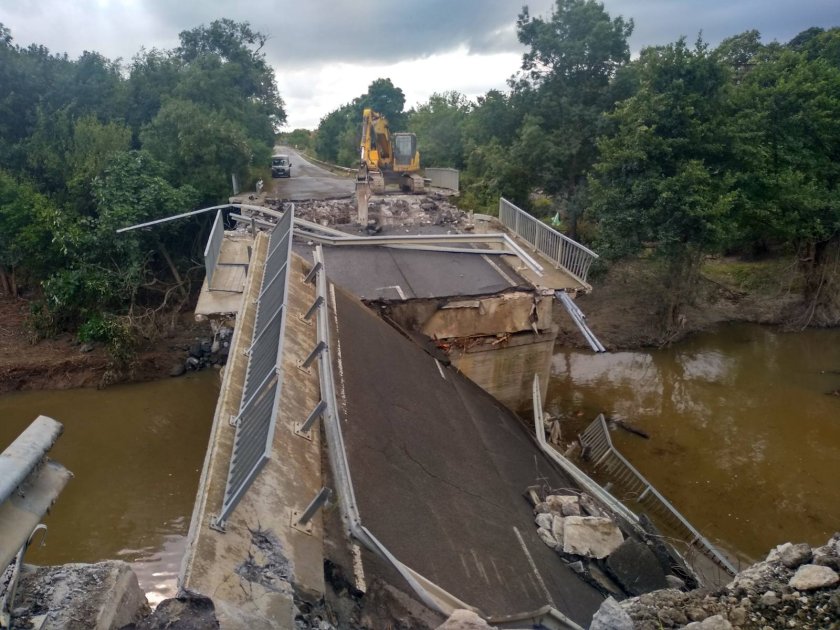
[(626, 304), (65, 363)]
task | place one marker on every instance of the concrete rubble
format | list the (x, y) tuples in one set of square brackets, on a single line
[(795, 587), (101, 596), (403, 210), (594, 545)]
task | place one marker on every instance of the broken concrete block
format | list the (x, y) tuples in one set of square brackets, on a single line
[(810, 577), (635, 567), (544, 521), (611, 616), (99, 596), (589, 507), (591, 536), (563, 505), (557, 526), (463, 620), (547, 538)]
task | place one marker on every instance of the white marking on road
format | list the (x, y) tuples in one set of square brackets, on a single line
[(534, 567), (509, 280), (396, 287), (440, 369), (464, 564), (479, 565), (358, 569)]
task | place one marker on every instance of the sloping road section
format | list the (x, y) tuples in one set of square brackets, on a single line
[(309, 181), (439, 470)]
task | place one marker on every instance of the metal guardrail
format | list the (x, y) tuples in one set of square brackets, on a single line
[(257, 415), (214, 248), (580, 320), (448, 178), (625, 476), (569, 255), (29, 485)]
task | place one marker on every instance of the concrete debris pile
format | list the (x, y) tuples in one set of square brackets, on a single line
[(206, 352), (795, 587), (385, 210), (591, 542), (102, 595)]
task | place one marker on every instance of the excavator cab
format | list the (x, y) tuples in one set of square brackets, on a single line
[(405, 148)]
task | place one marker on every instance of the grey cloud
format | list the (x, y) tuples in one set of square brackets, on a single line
[(311, 33)]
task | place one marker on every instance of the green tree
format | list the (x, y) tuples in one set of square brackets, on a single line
[(26, 238), (339, 132), (439, 124), (789, 180), (572, 57), (298, 138), (664, 177), (202, 148)]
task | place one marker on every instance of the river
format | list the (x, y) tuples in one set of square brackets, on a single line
[(743, 440), (136, 452)]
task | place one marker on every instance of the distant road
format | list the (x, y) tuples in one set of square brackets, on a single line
[(309, 181)]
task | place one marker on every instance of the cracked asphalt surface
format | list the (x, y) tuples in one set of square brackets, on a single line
[(439, 470)]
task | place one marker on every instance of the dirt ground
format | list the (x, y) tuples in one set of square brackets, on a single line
[(625, 305), (61, 363)]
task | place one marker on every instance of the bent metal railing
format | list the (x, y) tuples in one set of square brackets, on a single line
[(214, 248), (624, 476), (568, 255), (263, 379)]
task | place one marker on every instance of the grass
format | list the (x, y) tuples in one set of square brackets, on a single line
[(768, 276)]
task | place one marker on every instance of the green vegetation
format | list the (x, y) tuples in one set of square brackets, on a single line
[(681, 153), (89, 145)]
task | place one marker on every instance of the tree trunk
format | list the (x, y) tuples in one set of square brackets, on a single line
[(173, 269), (5, 283), (820, 266), (681, 287)]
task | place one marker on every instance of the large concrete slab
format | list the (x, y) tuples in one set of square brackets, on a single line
[(374, 273), (224, 297), (439, 470)]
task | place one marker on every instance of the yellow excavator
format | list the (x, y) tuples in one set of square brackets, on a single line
[(388, 158)]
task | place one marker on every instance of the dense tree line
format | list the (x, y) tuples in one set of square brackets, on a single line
[(89, 145), (682, 152)]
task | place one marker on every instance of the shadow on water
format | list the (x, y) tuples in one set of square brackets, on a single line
[(743, 440), (136, 452)]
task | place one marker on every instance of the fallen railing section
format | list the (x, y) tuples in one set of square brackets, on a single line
[(568, 255), (580, 320), (596, 438), (257, 415), (29, 485), (580, 477)]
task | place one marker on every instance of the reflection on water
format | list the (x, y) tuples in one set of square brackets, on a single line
[(743, 438), (136, 453)]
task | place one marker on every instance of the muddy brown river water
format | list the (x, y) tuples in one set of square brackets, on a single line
[(743, 440), (136, 452)]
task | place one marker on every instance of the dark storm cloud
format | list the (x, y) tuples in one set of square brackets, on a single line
[(366, 31), (316, 32)]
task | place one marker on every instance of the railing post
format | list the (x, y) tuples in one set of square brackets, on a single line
[(318, 349), (301, 520)]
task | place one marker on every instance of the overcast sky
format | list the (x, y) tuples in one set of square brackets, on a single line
[(326, 52)]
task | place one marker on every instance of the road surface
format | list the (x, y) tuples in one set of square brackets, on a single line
[(309, 181)]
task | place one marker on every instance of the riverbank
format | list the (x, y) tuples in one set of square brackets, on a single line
[(625, 306), (64, 363)]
